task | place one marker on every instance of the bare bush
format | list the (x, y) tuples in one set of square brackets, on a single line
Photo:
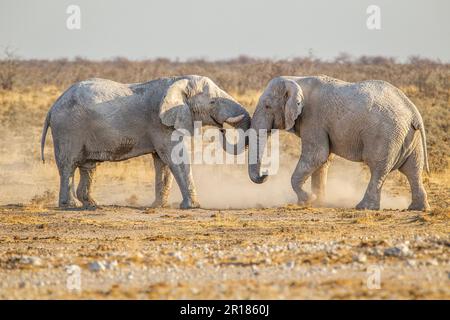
[(8, 68)]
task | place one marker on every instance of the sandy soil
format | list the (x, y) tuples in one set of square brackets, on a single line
[(287, 252)]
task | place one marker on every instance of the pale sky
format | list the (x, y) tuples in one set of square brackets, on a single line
[(217, 29)]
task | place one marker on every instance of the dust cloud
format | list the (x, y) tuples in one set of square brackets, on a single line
[(229, 187), (24, 179)]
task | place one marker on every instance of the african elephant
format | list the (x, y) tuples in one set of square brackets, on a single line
[(101, 120), (370, 121)]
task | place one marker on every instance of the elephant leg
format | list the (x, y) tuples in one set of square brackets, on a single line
[(66, 192), (412, 169), (318, 182), (183, 176), (87, 172), (313, 157), (163, 182), (372, 197)]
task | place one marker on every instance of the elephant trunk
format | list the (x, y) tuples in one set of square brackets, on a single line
[(241, 122), (256, 150)]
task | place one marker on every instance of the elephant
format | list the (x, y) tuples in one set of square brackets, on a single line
[(370, 121), (101, 120)]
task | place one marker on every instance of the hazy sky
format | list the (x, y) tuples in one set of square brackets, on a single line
[(225, 28)]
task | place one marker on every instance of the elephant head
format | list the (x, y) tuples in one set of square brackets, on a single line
[(197, 98), (278, 107)]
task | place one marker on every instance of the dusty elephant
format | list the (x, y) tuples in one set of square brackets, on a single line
[(101, 120), (369, 121)]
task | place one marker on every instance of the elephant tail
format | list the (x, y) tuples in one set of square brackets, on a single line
[(44, 135), (424, 146), (418, 125)]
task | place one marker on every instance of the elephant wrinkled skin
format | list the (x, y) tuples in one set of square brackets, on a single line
[(370, 121), (101, 120)]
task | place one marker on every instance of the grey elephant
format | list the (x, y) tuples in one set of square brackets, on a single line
[(370, 121), (101, 120)]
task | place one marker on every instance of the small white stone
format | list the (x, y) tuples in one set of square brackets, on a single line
[(111, 265), (29, 260), (290, 265), (96, 266), (411, 263), (195, 290), (139, 256), (177, 254), (361, 258), (433, 262), (401, 250)]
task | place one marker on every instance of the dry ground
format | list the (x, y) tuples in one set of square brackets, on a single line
[(266, 250), (287, 252)]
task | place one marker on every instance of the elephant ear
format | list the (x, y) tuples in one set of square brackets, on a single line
[(294, 103), (173, 109)]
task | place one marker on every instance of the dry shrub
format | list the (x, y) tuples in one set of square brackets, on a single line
[(8, 69)]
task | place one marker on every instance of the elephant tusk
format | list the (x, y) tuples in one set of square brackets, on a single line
[(234, 120)]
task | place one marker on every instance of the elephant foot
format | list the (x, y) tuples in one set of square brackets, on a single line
[(305, 199), (320, 201), (368, 205), (419, 206), (189, 204), (304, 203), (70, 205), (160, 204), (320, 204), (90, 206)]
